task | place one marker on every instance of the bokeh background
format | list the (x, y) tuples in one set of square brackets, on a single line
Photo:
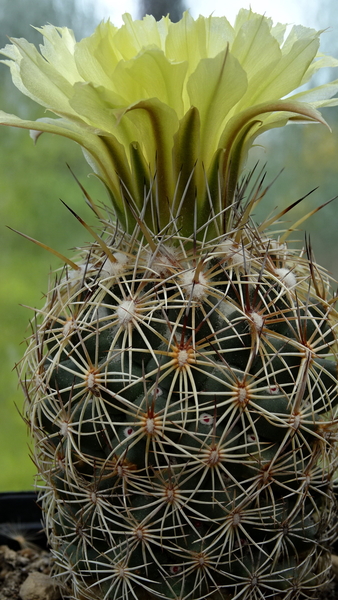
[(34, 178)]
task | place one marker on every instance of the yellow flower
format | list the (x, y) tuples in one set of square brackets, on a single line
[(170, 105)]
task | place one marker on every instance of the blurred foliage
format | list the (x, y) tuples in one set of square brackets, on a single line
[(160, 8), (32, 179), (17, 21)]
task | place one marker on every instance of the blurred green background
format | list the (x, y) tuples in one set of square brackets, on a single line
[(34, 178)]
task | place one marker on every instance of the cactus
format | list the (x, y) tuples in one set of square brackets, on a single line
[(181, 378)]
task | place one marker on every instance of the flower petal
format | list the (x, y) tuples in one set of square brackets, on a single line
[(152, 75), (188, 171), (58, 50), (255, 47), (320, 96), (171, 103), (281, 77), (134, 36), (191, 40), (97, 56), (233, 132), (157, 124), (90, 104), (227, 83), (39, 80)]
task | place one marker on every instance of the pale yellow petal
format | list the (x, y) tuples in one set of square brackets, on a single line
[(42, 82), (152, 75), (134, 36), (278, 32), (321, 62), (14, 58), (227, 83), (186, 42), (218, 34), (147, 97), (320, 96), (278, 79), (58, 50), (255, 47), (191, 40), (101, 109), (157, 124), (245, 15), (86, 102), (298, 32), (96, 56)]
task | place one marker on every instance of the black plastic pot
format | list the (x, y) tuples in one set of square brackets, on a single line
[(19, 512)]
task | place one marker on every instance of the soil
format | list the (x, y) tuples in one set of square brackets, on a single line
[(25, 575)]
